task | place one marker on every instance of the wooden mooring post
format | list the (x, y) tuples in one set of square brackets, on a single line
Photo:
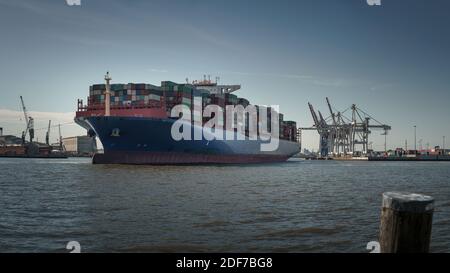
[(406, 221)]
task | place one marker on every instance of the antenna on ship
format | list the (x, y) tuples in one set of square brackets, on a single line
[(107, 95)]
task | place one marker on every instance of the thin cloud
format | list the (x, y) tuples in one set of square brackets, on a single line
[(379, 87), (201, 35), (159, 70), (307, 78), (13, 124), (292, 76), (330, 82), (30, 6), (17, 116)]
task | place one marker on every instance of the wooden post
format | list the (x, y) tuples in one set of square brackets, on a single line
[(406, 221)]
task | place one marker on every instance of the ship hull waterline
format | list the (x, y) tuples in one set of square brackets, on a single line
[(170, 158)]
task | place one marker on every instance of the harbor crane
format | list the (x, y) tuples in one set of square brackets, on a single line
[(341, 135), (29, 123), (47, 136), (61, 145)]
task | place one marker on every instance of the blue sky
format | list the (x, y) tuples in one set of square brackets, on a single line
[(391, 60)]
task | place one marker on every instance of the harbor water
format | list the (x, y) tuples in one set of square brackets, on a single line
[(297, 206)]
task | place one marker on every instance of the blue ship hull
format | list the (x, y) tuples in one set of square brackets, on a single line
[(139, 140)]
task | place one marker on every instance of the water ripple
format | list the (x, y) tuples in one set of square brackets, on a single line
[(299, 206)]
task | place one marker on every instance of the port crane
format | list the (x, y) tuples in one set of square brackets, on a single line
[(341, 135), (322, 128), (61, 145), (29, 123), (47, 135)]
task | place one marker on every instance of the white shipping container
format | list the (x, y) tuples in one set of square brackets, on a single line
[(154, 97)]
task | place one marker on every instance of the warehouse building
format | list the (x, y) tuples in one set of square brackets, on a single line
[(80, 145)]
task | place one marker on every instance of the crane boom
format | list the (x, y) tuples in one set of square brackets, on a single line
[(314, 115), (47, 136), (322, 120), (382, 126), (29, 122), (331, 111), (24, 109)]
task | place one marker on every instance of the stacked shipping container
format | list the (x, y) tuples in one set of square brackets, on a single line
[(126, 95), (171, 94)]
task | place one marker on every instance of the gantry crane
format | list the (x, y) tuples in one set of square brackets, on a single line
[(322, 128), (343, 135)]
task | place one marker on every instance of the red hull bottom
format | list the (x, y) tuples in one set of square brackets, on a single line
[(168, 158)]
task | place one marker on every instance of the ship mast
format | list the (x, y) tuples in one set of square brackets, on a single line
[(107, 95)]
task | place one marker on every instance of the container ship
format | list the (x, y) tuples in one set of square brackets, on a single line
[(134, 123)]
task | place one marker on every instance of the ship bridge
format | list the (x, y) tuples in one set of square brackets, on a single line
[(214, 87)]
